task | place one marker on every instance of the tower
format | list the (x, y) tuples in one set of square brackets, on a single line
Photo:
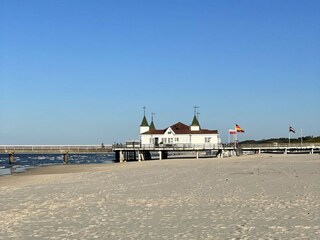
[(144, 126), (152, 127), (195, 126)]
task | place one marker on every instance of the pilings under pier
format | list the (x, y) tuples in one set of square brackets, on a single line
[(65, 158), (137, 155), (163, 155), (11, 158)]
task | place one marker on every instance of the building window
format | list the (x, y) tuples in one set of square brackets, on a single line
[(207, 139), (170, 140), (176, 139), (164, 140)]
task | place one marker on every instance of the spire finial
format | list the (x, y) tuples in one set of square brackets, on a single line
[(152, 114), (195, 110), (144, 111)]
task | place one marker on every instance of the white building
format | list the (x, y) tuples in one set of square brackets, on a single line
[(179, 134)]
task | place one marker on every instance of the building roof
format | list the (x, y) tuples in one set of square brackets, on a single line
[(181, 128), (152, 127), (144, 122), (195, 122)]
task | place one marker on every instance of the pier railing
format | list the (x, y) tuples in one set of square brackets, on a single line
[(179, 146), (55, 148)]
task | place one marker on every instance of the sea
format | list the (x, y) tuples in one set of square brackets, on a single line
[(23, 162)]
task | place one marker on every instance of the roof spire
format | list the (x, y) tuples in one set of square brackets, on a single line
[(195, 126), (195, 110), (195, 121), (144, 122), (152, 127)]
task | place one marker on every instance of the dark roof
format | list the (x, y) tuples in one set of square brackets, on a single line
[(195, 122), (152, 127), (181, 128), (144, 122), (155, 131)]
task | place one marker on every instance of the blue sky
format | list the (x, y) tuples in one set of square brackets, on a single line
[(79, 72)]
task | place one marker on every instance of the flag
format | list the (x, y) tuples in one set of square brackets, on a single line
[(232, 131), (238, 128), (291, 129)]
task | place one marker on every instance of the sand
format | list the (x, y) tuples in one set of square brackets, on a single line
[(249, 197)]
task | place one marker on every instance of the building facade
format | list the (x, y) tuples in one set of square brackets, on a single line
[(178, 135)]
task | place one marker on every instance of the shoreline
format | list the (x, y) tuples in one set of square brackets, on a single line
[(57, 169), (98, 167)]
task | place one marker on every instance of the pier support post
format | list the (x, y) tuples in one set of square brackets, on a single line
[(197, 154), (11, 158), (222, 154), (121, 156), (143, 156), (164, 154), (232, 153), (160, 155), (286, 151), (139, 156), (311, 152), (65, 158)]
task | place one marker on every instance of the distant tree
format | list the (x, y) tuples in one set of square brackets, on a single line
[(306, 139)]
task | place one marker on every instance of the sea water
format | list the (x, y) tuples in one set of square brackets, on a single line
[(25, 161)]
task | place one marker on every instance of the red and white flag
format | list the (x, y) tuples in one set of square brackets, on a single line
[(232, 131)]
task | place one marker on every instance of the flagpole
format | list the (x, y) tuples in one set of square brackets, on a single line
[(289, 138), (235, 138), (301, 137)]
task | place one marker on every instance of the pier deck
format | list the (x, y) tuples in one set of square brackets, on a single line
[(65, 150), (143, 152), (55, 149), (138, 152)]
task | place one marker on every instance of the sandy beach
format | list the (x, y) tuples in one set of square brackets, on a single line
[(249, 197)]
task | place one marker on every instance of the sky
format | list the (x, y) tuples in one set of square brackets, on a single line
[(80, 72)]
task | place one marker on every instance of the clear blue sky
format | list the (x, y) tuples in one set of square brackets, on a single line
[(79, 72)]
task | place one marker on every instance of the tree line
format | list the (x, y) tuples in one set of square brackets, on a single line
[(306, 139)]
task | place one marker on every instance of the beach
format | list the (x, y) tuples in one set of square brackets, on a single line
[(248, 197)]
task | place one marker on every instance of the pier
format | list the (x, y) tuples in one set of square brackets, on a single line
[(298, 148), (135, 151), (65, 150)]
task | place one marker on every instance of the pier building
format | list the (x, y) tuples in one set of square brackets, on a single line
[(178, 134)]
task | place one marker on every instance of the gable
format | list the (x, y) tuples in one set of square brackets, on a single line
[(180, 127), (169, 131)]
